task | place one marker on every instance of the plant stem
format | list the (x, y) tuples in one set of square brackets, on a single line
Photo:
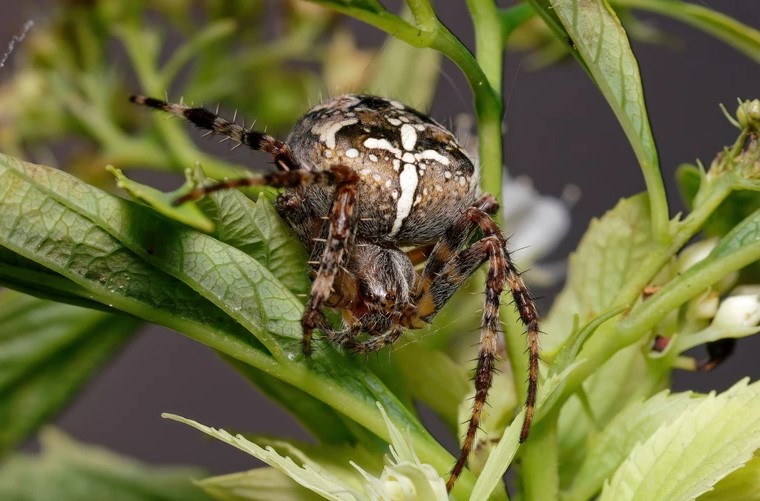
[(488, 105), (540, 459), (612, 337)]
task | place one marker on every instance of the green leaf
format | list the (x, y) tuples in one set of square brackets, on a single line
[(67, 237), (371, 6), (599, 40), (609, 448), (163, 203), (339, 473), (740, 36), (261, 484), (608, 257), (24, 275), (48, 351), (610, 252), (256, 229), (68, 471), (308, 475), (688, 455), (741, 485)]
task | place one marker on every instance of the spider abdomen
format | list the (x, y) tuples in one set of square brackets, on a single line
[(413, 173)]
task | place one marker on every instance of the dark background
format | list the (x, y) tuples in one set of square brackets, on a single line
[(560, 132)]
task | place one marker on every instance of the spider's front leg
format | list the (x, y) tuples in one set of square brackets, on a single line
[(446, 271), (215, 124), (342, 223)]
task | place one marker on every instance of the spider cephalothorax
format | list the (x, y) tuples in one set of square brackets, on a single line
[(373, 188)]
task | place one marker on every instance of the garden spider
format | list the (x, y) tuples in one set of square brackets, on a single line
[(366, 178)]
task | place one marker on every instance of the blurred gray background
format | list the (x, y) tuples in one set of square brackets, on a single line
[(560, 132)]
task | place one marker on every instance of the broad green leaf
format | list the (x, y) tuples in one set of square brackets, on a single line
[(599, 40), (609, 448), (260, 484), (68, 471), (607, 256), (47, 352), (741, 485), (688, 455), (24, 275), (40, 225), (163, 203), (146, 265), (740, 36), (256, 229)]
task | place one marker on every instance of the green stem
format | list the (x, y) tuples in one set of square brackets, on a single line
[(488, 103), (424, 14), (612, 337), (540, 460)]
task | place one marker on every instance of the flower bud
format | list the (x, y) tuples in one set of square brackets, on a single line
[(741, 309), (748, 114), (695, 253)]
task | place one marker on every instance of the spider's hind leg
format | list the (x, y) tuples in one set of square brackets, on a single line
[(446, 271)]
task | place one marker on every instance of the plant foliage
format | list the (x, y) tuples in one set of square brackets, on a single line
[(89, 267)]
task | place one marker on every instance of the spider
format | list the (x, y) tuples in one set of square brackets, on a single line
[(372, 189)]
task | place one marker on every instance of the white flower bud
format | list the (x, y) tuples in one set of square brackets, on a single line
[(705, 306), (740, 310), (695, 253)]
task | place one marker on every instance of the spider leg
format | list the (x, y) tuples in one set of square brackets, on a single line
[(342, 222), (379, 342), (212, 122), (446, 271), (336, 176), (457, 235)]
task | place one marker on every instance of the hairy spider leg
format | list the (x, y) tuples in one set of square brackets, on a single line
[(336, 176), (342, 223), (444, 275), (215, 124)]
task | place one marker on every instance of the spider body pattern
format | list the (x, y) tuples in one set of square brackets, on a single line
[(372, 189)]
